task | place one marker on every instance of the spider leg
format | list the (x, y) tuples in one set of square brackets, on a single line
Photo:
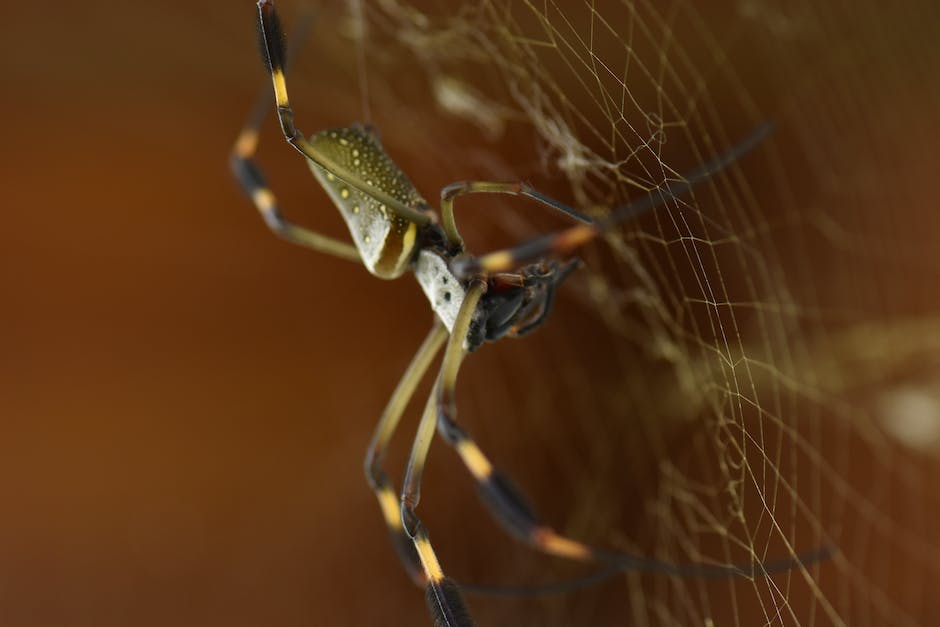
[(510, 508), (390, 504), (534, 313), (545, 303), (504, 501), (442, 594), (251, 179), (461, 188), (272, 44), (569, 239), (376, 476)]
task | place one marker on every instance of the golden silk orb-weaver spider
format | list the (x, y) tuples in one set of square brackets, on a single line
[(475, 299)]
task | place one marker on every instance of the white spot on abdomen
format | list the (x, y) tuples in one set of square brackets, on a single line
[(443, 290)]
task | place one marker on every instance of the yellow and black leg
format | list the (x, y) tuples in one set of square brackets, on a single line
[(376, 476), (538, 310), (499, 495), (462, 188), (509, 508), (443, 596), (567, 240), (252, 181), (274, 51)]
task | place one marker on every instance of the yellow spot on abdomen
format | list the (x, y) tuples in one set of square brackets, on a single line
[(407, 243), (344, 193)]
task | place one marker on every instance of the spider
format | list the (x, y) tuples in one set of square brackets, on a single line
[(475, 299)]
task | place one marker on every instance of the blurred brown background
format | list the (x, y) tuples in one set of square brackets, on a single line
[(185, 400)]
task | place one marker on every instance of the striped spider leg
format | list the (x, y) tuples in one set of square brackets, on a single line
[(252, 181), (475, 300)]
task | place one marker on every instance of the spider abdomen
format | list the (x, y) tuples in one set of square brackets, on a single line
[(385, 240)]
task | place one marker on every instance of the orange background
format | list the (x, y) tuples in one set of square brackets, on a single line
[(185, 399)]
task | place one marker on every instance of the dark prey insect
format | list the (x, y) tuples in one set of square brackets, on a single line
[(475, 299)]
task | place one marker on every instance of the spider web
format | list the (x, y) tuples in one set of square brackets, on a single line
[(760, 360)]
